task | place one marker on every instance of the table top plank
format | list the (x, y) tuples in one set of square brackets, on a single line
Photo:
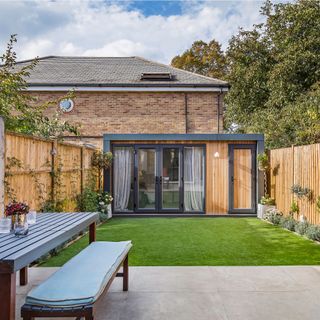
[(41, 218), (41, 240), (37, 228)]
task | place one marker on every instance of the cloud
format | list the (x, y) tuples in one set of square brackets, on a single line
[(113, 29)]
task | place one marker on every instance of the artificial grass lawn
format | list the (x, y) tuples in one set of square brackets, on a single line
[(201, 242)]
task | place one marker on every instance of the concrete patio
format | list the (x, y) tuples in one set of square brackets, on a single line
[(207, 293)]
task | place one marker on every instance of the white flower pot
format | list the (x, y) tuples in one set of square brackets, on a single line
[(262, 209), (302, 218), (109, 215)]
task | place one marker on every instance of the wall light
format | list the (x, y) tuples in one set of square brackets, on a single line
[(216, 154)]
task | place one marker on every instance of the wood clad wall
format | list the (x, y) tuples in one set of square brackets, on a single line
[(29, 165), (296, 165)]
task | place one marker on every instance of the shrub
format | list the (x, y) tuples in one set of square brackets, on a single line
[(87, 201), (313, 232), (274, 216), (318, 203), (267, 200), (294, 208), (288, 223), (54, 206), (301, 227), (301, 192), (263, 161), (92, 201)]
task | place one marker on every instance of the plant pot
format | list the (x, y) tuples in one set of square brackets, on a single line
[(262, 209), (109, 215), (302, 218), (261, 168)]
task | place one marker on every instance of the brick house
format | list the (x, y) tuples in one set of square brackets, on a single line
[(165, 129)]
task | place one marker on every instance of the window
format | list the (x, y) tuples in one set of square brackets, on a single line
[(156, 76), (66, 105)]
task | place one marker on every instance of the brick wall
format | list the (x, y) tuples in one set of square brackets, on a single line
[(141, 112)]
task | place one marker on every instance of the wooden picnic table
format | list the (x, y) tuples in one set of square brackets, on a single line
[(16, 253)]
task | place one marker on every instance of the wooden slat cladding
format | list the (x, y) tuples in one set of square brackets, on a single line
[(242, 178), (296, 165), (29, 162), (217, 178)]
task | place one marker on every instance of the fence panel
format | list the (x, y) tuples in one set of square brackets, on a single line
[(296, 165), (38, 170)]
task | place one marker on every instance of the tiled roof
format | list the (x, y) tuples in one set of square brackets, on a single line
[(110, 72)]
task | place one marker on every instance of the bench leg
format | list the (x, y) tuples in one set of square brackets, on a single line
[(24, 276), (125, 274), (7, 296), (92, 232)]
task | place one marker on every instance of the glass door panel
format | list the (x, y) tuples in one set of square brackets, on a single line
[(146, 175), (123, 177), (242, 178), (194, 175), (170, 179), (242, 185)]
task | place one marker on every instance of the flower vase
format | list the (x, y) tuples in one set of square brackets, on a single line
[(21, 225), (13, 221)]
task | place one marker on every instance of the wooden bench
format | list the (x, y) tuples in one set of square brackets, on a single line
[(75, 288)]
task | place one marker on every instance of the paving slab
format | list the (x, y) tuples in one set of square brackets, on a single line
[(213, 293)]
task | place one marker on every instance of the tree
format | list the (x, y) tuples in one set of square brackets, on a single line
[(20, 111), (203, 58), (275, 75)]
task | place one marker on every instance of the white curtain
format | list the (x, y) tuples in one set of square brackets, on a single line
[(193, 178), (122, 173)]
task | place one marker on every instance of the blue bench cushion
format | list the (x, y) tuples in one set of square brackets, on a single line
[(83, 278)]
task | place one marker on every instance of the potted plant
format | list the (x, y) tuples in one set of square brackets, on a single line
[(104, 204), (263, 161), (266, 203), (18, 213), (295, 210)]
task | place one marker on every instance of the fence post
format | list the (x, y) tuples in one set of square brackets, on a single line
[(54, 164), (2, 166), (82, 169), (293, 175)]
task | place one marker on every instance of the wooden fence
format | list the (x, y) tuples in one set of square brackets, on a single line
[(38, 170), (296, 166)]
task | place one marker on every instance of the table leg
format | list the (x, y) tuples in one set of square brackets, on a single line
[(8, 296), (125, 274), (92, 232), (24, 276)]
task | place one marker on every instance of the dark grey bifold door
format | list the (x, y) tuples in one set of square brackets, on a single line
[(146, 175), (242, 178), (170, 180)]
